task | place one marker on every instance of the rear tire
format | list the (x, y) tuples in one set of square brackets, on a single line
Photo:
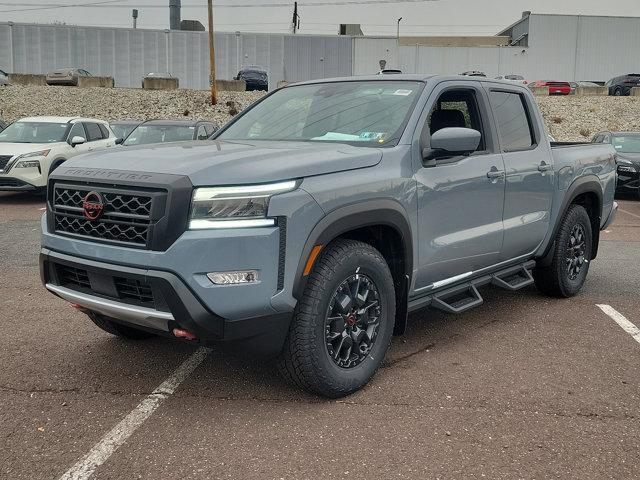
[(118, 329), (573, 246), (343, 324)]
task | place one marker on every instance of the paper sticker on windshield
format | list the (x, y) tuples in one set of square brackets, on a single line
[(403, 93), (618, 146)]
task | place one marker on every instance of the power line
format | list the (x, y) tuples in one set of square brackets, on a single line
[(234, 5), (53, 7)]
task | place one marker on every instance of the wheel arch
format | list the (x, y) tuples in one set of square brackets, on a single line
[(587, 192), (385, 225)]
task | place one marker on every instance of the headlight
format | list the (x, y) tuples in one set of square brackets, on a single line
[(19, 163), (28, 164), (626, 168), (40, 153), (235, 207)]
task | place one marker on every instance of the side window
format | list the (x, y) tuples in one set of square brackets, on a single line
[(598, 138), (202, 133), (606, 139), (210, 128), (77, 130), (457, 108), (93, 132), (103, 129), (514, 124)]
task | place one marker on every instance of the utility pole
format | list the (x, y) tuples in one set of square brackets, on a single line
[(296, 18), (134, 15), (212, 57), (398, 29)]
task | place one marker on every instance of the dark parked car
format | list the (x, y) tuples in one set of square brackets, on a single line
[(621, 86), (122, 128), (4, 78), (627, 146), (66, 76), (256, 78), (164, 131)]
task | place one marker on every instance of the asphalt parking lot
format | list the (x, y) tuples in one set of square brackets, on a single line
[(522, 387)]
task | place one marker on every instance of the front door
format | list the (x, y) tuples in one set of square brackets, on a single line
[(460, 199)]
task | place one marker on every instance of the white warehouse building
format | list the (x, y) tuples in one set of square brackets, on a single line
[(538, 46)]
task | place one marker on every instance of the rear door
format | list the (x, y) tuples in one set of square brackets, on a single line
[(460, 199), (529, 171)]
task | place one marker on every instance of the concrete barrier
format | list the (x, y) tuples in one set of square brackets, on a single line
[(540, 90), (635, 92), (89, 82), (157, 83), (26, 79), (592, 91), (231, 85)]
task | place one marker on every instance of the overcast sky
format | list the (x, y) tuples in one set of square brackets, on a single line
[(378, 17)]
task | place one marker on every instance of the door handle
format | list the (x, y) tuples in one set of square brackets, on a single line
[(495, 174), (544, 167)]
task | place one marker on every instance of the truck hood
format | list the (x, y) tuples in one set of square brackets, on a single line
[(8, 148), (233, 162)]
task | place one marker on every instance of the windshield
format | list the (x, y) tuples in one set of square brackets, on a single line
[(627, 143), (35, 132), (367, 112), (145, 134), (121, 130)]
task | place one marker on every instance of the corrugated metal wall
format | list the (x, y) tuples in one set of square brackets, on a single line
[(560, 47), (128, 54)]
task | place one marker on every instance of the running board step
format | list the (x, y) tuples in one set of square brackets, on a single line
[(513, 279), (458, 299)]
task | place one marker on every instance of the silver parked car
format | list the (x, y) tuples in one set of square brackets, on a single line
[(4, 78), (66, 76)]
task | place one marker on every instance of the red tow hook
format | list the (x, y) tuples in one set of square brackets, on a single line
[(79, 307), (180, 333)]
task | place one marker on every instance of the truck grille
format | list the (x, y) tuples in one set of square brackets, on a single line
[(4, 159), (125, 217)]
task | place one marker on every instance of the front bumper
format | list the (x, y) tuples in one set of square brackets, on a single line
[(174, 305), (12, 184)]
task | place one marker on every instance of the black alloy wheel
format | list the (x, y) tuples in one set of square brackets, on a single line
[(576, 249), (352, 321)]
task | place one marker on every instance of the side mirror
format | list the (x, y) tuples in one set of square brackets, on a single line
[(119, 141), (77, 140), (451, 142)]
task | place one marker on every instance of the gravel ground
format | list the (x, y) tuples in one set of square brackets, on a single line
[(120, 103), (579, 118), (568, 118)]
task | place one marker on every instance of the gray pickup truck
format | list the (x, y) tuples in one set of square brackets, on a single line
[(316, 220)]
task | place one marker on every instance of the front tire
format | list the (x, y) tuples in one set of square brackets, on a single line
[(573, 246), (343, 324)]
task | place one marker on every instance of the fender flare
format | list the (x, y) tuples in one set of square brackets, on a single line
[(55, 164), (351, 217), (586, 184)]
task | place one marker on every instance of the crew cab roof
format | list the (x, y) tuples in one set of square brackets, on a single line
[(411, 77)]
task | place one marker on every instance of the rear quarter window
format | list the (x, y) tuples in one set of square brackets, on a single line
[(514, 122)]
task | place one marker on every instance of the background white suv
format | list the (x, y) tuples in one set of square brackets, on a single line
[(31, 148)]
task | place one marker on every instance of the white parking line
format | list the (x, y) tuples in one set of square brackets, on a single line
[(129, 424), (621, 320), (629, 213)]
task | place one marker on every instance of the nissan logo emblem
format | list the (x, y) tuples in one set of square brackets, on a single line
[(92, 205)]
